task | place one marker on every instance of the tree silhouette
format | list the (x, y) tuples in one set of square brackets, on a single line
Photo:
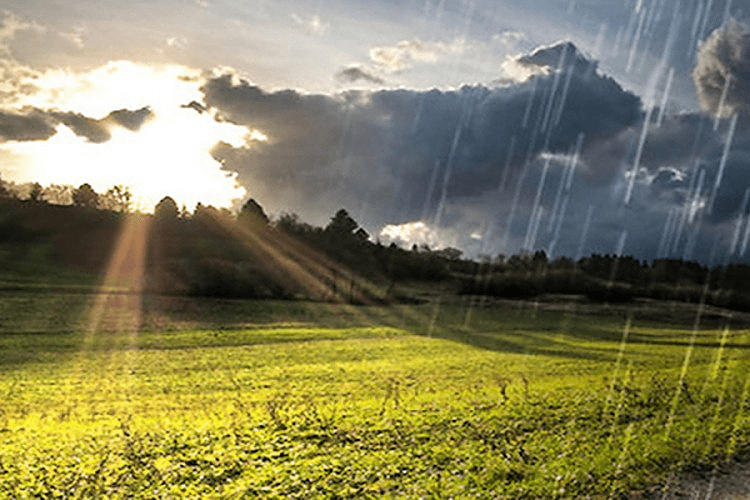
[(117, 198), (85, 196), (253, 214), (342, 224), (166, 209), (59, 194), (37, 192)]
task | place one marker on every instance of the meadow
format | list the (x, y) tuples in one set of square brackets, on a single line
[(289, 399)]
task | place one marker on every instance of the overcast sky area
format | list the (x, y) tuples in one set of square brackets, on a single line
[(573, 127)]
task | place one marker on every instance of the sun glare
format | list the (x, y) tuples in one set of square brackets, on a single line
[(168, 155)]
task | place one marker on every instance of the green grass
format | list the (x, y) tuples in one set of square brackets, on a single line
[(291, 399)]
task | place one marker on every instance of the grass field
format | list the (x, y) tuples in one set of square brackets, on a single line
[(292, 399)]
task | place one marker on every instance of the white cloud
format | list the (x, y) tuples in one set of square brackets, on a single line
[(176, 42), (312, 25), (404, 54), (11, 24), (416, 233), (75, 37), (509, 39), (168, 155)]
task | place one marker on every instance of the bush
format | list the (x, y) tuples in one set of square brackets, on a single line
[(211, 277)]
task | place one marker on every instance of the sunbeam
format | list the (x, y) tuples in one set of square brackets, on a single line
[(118, 304)]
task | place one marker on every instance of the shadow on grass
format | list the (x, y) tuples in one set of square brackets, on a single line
[(580, 336)]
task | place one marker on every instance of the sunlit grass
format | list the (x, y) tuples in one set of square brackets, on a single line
[(331, 405)]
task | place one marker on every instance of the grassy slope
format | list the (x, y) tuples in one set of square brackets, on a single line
[(231, 398)]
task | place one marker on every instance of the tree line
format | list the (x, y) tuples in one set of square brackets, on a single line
[(117, 198), (216, 252)]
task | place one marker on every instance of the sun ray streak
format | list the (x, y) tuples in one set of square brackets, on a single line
[(118, 301), (688, 355)]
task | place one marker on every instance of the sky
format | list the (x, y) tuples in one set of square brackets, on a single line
[(497, 127)]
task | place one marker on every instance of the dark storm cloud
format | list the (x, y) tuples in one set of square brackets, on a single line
[(679, 151), (495, 161), (83, 126), (354, 74), (37, 125), (679, 141), (29, 125), (402, 150), (130, 119), (724, 56), (735, 180), (559, 55)]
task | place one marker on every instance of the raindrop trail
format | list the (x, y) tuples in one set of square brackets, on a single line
[(745, 239), (536, 129), (531, 233), (513, 207), (712, 483), (694, 30), (418, 114), (695, 203), (722, 100), (574, 163), (688, 354), (685, 215), (537, 209), (717, 412), (723, 164), (564, 96), (506, 168), (644, 130), (727, 11), (553, 92), (616, 44), (584, 233), (665, 97), (558, 195), (566, 181), (714, 368), (521, 179), (696, 141), (739, 419), (676, 236), (738, 227), (433, 319), (653, 15), (618, 255), (671, 37), (621, 401), (431, 189), (706, 15), (666, 233), (648, 37), (621, 243), (625, 450), (559, 225), (618, 362), (692, 240), (686, 218), (597, 51), (693, 207), (463, 120), (336, 180), (532, 94), (636, 39)]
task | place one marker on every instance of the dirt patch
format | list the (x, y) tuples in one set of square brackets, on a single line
[(727, 482)]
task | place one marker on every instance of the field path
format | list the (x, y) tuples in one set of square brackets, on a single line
[(729, 483)]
